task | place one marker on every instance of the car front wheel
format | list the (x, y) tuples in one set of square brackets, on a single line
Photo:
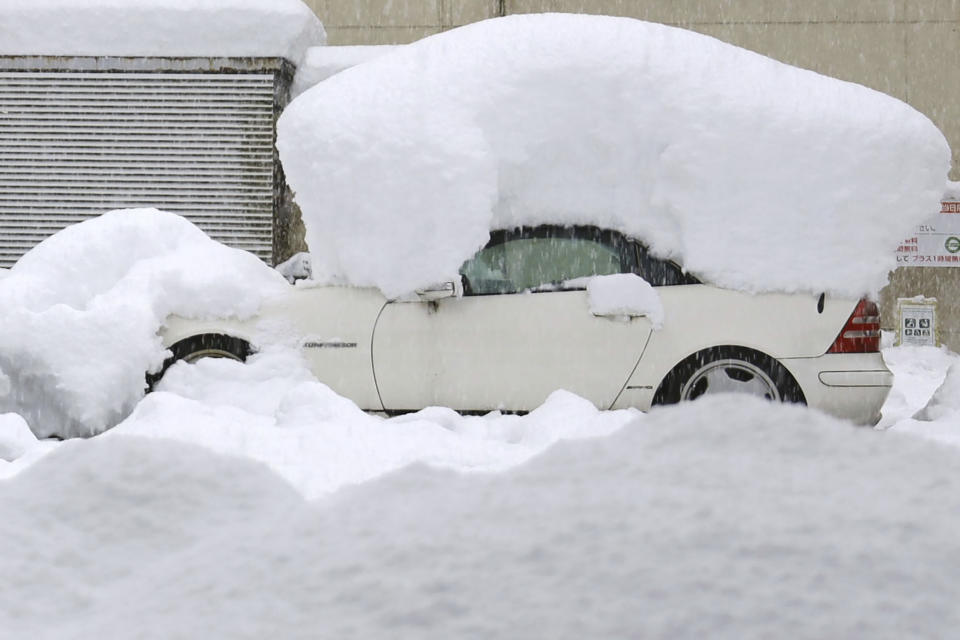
[(211, 345)]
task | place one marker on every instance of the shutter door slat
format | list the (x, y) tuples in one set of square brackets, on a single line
[(74, 145)]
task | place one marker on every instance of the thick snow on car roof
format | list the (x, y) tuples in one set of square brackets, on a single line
[(255, 28), (755, 174)]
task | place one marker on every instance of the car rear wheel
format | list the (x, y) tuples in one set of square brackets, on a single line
[(729, 370), (211, 345)]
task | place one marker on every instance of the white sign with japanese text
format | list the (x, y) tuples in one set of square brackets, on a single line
[(935, 243)]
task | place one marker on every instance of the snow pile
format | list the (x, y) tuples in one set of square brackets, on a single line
[(319, 63), (624, 294), (946, 400), (753, 174), (247, 28), (15, 437), (19, 448), (939, 420), (272, 410), (923, 400), (659, 530), (917, 373), (79, 313)]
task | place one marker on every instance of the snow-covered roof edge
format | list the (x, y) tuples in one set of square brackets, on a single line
[(319, 63), (159, 28)]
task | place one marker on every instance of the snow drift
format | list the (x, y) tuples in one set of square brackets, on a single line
[(319, 63), (254, 28), (15, 437), (754, 174), (273, 410), (79, 313), (939, 419), (773, 521), (946, 399)]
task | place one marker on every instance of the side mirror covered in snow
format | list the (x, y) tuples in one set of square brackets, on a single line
[(296, 268)]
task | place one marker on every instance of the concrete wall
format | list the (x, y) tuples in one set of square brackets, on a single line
[(397, 21), (909, 49)]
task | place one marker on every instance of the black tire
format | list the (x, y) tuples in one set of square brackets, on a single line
[(210, 345), (729, 370)]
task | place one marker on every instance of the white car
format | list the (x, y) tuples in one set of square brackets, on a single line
[(519, 326)]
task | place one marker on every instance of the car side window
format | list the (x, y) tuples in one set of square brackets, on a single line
[(660, 273), (543, 259)]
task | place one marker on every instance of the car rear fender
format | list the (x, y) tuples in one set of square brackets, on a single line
[(177, 328), (698, 317)]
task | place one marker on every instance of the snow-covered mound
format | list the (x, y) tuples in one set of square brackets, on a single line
[(752, 173), (319, 63), (254, 28), (917, 373), (946, 399), (939, 419), (274, 411), (79, 313), (15, 437), (774, 521)]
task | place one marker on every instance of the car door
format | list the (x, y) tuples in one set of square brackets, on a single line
[(522, 329), (333, 327)]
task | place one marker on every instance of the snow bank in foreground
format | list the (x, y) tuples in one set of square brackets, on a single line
[(272, 410), (752, 173), (773, 521), (79, 313), (256, 28)]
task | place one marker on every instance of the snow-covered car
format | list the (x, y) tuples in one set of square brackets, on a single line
[(521, 323)]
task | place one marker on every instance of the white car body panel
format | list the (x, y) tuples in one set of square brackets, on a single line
[(480, 353), (332, 326), (502, 351), (698, 317), (788, 327), (858, 384)]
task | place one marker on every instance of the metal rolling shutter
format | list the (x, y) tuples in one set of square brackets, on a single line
[(74, 145)]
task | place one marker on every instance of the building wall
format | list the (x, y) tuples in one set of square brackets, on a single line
[(397, 21), (909, 49)]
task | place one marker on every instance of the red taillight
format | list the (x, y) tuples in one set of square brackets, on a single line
[(861, 334)]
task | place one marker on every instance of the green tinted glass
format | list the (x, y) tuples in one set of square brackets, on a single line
[(532, 263)]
